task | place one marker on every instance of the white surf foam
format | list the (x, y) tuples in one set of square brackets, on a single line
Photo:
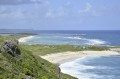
[(95, 42), (73, 37), (76, 68), (88, 41), (25, 39)]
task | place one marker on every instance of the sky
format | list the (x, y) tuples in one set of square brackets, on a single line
[(60, 14)]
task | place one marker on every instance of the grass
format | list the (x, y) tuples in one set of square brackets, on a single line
[(27, 65), (3, 38), (41, 49), (48, 49)]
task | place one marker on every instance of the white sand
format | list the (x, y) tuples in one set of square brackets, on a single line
[(24, 39), (63, 57)]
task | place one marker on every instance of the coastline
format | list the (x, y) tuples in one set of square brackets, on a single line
[(60, 58), (64, 57), (25, 39)]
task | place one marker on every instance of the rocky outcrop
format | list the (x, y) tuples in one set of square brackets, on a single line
[(11, 47)]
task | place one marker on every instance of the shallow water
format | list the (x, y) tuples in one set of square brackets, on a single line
[(100, 67), (110, 38)]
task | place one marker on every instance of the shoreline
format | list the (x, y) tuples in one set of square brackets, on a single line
[(60, 58), (25, 39)]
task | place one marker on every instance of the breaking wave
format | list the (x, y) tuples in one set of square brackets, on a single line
[(76, 67), (98, 67), (73, 38), (62, 39), (95, 42), (88, 41)]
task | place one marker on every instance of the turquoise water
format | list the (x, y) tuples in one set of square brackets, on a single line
[(88, 67), (111, 38), (104, 67)]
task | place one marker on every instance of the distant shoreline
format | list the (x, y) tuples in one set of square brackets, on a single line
[(60, 58), (24, 39)]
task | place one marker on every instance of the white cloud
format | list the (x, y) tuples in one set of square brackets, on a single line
[(17, 15), (6, 12), (36, 1), (18, 2), (53, 13), (62, 10), (49, 13), (89, 9), (67, 4)]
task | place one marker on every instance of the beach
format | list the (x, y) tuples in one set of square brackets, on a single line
[(90, 63), (60, 58), (25, 39)]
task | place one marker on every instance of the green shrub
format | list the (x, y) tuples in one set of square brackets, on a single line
[(22, 76), (28, 65)]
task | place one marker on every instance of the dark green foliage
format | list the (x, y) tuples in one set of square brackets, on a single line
[(27, 65)]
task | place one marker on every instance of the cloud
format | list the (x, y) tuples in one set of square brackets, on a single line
[(62, 10), (53, 13), (89, 9), (24, 11), (49, 13), (18, 2), (6, 12), (68, 4)]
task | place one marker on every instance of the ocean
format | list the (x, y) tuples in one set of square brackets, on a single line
[(91, 67), (99, 67), (107, 38)]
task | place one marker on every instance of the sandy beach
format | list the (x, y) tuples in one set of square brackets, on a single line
[(63, 57), (24, 39)]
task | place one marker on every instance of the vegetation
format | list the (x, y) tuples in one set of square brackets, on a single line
[(27, 66), (17, 36), (47, 49)]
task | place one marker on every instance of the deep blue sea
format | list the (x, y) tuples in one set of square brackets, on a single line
[(100, 67), (109, 38)]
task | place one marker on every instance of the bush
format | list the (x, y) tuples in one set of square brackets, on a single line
[(22, 76)]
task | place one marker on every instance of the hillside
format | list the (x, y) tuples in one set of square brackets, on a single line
[(27, 66)]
